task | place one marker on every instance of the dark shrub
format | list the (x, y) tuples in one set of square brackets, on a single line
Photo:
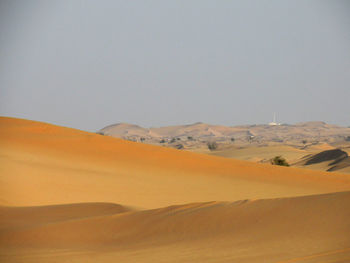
[(212, 146), (279, 160)]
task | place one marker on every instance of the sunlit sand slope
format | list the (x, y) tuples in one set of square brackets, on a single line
[(43, 164), (19, 217), (301, 229)]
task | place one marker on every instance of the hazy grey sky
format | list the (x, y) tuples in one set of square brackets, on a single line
[(87, 64)]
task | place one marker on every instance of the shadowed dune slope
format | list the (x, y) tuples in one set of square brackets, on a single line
[(301, 229), (335, 156), (330, 160), (44, 164)]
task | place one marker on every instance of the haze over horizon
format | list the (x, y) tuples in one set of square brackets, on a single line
[(87, 64), (202, 180)]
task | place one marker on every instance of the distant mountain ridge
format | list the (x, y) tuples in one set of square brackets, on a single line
[(316, 131)]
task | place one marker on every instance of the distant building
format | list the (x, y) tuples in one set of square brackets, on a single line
[(274, 123)]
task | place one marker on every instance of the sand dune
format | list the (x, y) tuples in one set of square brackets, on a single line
[(329, 160), (323, 157), (259, 154), (270, 230), (43, 164), (60, 188)]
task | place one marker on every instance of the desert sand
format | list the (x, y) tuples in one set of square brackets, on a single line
[(323, 157), (73, 196)]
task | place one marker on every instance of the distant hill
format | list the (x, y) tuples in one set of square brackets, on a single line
[(305, 145), (300, 133)]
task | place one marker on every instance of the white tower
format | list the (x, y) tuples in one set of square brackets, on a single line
[(274, 123)]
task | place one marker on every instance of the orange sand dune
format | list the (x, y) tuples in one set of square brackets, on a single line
[(43, 164), (301, 229)]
